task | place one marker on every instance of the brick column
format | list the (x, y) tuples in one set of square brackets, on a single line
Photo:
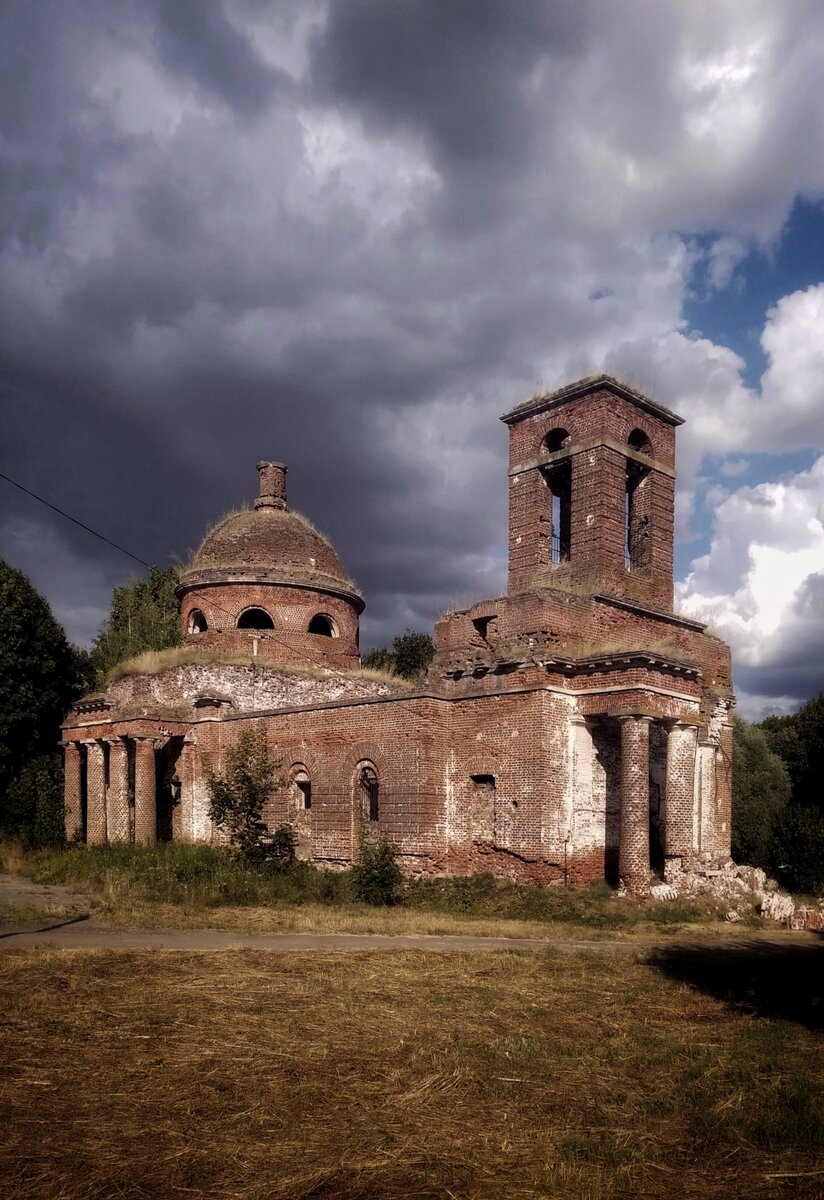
[(95, 794), (633, 834), (680, 792), (145, 793), (117, 797), (185, 810), (72, 792), (723, 794)]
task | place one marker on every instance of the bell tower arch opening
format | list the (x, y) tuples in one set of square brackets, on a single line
[(592, 492), (557, 476), (637, 506)]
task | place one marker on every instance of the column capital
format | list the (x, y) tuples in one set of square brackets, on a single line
[(625, 718), (686, 722), (70, 744)]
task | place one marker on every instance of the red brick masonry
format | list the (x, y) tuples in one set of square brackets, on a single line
[(574, 729)]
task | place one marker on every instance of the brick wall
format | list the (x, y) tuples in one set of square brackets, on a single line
[(598, 428), (291, 609)]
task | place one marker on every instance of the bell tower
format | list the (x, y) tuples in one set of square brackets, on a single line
[(592, 492)]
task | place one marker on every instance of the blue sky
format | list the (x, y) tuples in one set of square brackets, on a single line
[(350, 234), (734, 316)]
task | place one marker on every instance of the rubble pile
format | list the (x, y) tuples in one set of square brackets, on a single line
[(741, 886)]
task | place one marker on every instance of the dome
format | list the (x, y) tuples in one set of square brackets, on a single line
[(269, 544)]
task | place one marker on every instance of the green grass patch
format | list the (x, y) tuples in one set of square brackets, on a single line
[(198, 878)]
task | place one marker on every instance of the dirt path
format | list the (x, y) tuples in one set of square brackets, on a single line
[(20, 892), (78, 930)]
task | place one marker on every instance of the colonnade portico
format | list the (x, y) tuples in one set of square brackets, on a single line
[(104, 793), (626, 738)]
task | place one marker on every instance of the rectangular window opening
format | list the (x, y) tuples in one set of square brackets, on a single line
[(487, 628), (483, 783)]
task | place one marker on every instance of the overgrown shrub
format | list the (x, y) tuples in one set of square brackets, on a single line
[(798, 849), (376, 878), (238, 797)]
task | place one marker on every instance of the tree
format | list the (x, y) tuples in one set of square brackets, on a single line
[(760, 794), (798, 849), (38, 680), (799, 740), (413, 652), (144, 616), (379, 659), (238, 797), (34, 802), (410, 655)]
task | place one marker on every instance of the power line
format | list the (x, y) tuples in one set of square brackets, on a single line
[(74, 520), (264, 634)]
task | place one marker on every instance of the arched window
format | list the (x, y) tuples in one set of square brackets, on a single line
[(556, 439), (639, 441), (322, 625), (255, 618), (369, 791), (302, 785), (636, 509), (197, 622), (558, 479)]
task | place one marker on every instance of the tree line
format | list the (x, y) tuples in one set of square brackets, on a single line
[(42, 673), (778, 800)]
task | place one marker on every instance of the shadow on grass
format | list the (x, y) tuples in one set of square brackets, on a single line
[(765, 979)]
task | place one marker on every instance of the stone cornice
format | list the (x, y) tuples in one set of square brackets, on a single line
[(586, 387), (272, 577)]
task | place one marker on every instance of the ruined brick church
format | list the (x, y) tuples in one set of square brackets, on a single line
[(571, 730)]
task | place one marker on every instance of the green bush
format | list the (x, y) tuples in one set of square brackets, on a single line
[(237, 798), (798, 850), (34, 802), (376, 878)]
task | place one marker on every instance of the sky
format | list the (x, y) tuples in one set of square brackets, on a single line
[(349, 235)]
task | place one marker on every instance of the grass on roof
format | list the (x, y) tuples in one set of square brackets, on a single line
[(153, 662)]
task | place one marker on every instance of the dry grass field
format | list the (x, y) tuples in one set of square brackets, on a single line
[(379, 1075)]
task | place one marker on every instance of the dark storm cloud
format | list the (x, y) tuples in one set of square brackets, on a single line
[(345, 236), (195, 40), (792, 664), (456, 72)]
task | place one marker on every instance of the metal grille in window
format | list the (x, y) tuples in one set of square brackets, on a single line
[(636, 555), (560, 549), (369, 792)]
